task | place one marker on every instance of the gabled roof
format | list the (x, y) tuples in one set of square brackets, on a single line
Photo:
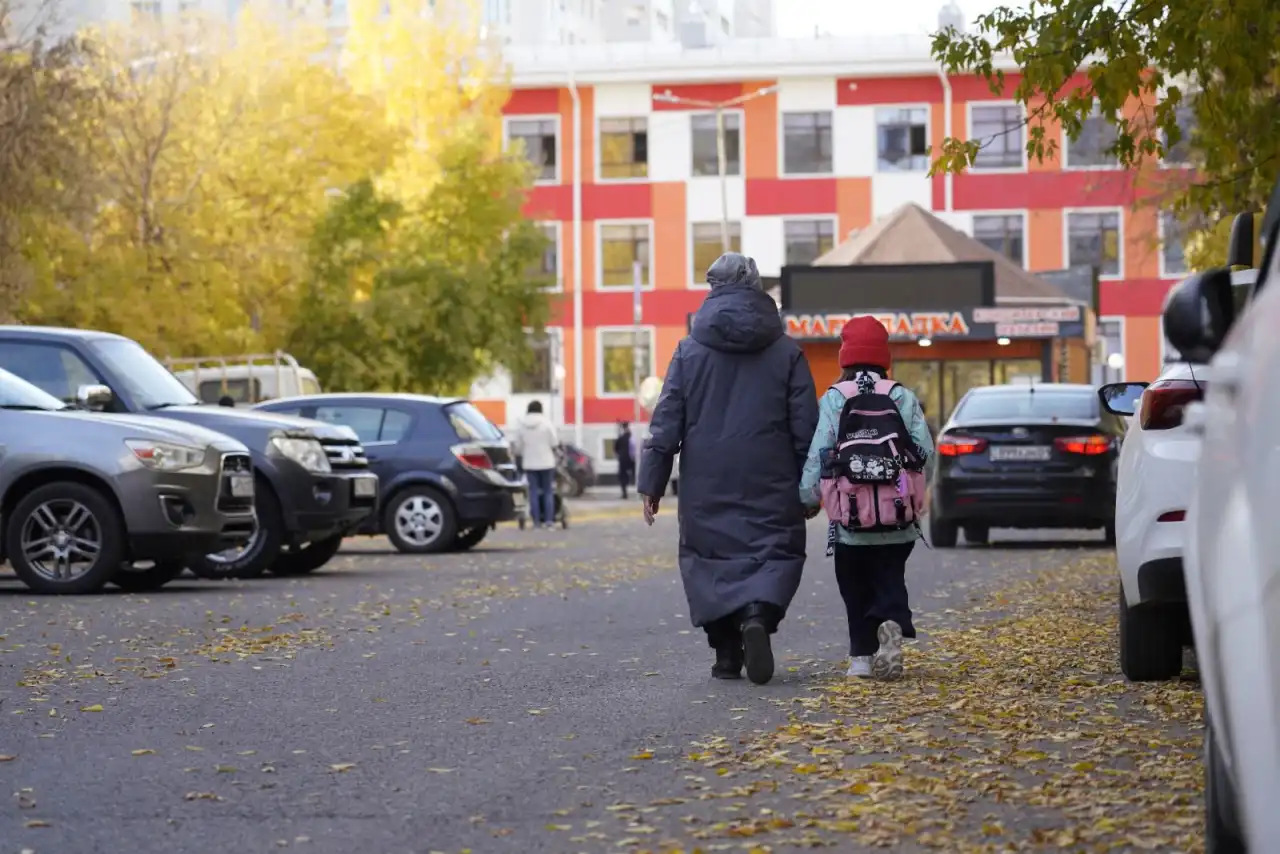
[(913, 235)]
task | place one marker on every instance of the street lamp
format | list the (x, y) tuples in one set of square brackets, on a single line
[(718, 107)]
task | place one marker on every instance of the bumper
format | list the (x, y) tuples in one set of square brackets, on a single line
[(1025, 501), (483, 504), (1162, 581), (316, 506)]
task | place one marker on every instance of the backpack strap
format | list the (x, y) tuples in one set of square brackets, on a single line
[(848, 388), (885, 386)]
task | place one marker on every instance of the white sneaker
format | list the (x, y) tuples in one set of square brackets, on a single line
[(886, 664), (859, 666)]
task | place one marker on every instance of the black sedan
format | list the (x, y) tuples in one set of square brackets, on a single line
[(446, 473), (1025, 456)]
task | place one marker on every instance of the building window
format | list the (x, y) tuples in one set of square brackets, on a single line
[(706, 156), (708, 245), (539, 139), (1179, 154), (807, 240), (1093, 238), (625, 354), (538, 375), (624, 148), (1173, 259), (903, 139), (1110, 365), (999, 129), (548, 267), (1092, 148), (1001, 233), (142, 12), (621, 246), (806, 143)]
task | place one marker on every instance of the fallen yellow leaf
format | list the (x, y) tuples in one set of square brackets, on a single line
[(96, 707), (144, 752), (342, 766)]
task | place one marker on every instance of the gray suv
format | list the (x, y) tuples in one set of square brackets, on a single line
[(82, 495)]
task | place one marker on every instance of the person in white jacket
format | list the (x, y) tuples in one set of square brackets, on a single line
[(535, 443)]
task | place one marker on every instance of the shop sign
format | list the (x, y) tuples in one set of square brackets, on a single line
[(913, 324), (1028, 314)]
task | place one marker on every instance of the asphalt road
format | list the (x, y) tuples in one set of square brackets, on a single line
[(542, 693)]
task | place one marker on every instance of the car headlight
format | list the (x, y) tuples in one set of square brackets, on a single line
[(308, 453), (165, 456)]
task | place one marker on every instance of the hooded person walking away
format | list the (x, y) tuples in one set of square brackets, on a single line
[(535, 443), (739, 407)]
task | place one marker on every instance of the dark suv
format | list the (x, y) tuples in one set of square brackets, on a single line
[(446, 472), (313, 484)]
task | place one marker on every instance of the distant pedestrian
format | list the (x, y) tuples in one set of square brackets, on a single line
[(866, 468), (739, 407), (624, 452), (536, 442)]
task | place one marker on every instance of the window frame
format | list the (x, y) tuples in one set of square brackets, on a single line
[(601, 331), (599, 240), (741, 116), (599, 150), (555, 347), (1085, 167), (558, 241), (1022, 134), (782, 143), (1120, 248), (928, 134), (1165, 273), (694, 275), (1018, 212), (384, 407), (835, 227), (1124, 342), (507, 121), (1186, 139)]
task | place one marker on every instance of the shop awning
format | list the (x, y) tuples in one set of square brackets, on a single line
[(913, 235)]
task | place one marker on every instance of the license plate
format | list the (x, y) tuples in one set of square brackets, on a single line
[(518, 500), (365, 487), (241, 485), (1020, 454)]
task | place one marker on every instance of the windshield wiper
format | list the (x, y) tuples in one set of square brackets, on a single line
[(153, 407)]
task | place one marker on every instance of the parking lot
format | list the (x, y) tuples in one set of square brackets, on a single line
[(545, 692)]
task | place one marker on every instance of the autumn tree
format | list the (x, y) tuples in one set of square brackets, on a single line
[(1213, 61)]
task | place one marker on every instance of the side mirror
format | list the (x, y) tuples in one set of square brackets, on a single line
[(97, 397), (1243, 237), (1121, 398), (1198, 314)]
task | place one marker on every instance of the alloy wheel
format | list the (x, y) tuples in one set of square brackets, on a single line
[(235, 553), (61, 539), (419, 520)]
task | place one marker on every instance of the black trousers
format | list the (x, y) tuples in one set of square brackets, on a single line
[(872, 581), (626, 474), (727, 630)]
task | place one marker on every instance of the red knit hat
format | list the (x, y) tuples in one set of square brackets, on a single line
[(864, 341)]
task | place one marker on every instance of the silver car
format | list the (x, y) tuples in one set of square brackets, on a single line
[(86, 498)]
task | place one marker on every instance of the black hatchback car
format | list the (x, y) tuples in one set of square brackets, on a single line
[(1025, 456), (446, 474)]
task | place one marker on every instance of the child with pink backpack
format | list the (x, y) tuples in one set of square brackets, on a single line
[(866, 470)]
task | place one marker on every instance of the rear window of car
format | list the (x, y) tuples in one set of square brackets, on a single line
[(1032, 404), (470, 424)]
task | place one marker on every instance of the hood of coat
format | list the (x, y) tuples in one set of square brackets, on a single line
[(737, 316), (533, 419)]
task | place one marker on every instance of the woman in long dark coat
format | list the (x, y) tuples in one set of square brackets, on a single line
[(739, 407)]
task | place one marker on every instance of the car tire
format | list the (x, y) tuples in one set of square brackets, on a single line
[(1221, 834), (1109, 534), (469, 538), (434, 531), (94, 517), (307, 558), (977, 535), (160, 573), (264, 547), (1150, 642), (942, 534)]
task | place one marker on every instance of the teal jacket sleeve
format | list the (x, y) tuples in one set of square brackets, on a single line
[(823, 438), (913, 416)]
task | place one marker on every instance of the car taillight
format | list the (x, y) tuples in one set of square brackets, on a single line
[(472, 457), (1165, 401), (959, 446), (1090, 446)]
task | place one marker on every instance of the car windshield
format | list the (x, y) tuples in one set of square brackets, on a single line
[(17, 393), (147, 381), (470, 424), (1031, 404)]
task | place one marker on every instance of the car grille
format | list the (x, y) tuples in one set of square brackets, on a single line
[(345, 454), (233, 464)]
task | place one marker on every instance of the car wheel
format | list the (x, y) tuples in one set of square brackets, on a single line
[(977, 535), (942, 534), (65, 538), (1150, 642), (469, 538), (300, 560), (420, 520), (577, 487), (131, 579), (254, 557), (1220, 818)]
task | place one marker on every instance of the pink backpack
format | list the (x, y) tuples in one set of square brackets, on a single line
[(873, 479)]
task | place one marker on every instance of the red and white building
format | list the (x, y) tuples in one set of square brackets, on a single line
[(829, 135)]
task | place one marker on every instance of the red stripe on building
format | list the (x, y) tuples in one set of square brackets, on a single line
[(550, 202), (790, 196), (975, 191), (971, 87), (939, 190), (1133, 297), (616, 201), (532, 102), (661, 307), (708, 93), (602, 410), (864, 91)]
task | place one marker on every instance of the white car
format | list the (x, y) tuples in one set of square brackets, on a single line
[(1233, 548)]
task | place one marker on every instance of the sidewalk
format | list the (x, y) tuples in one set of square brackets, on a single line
[(606, 502)]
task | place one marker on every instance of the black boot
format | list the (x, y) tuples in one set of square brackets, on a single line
[(755, 643), (728, 661)]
